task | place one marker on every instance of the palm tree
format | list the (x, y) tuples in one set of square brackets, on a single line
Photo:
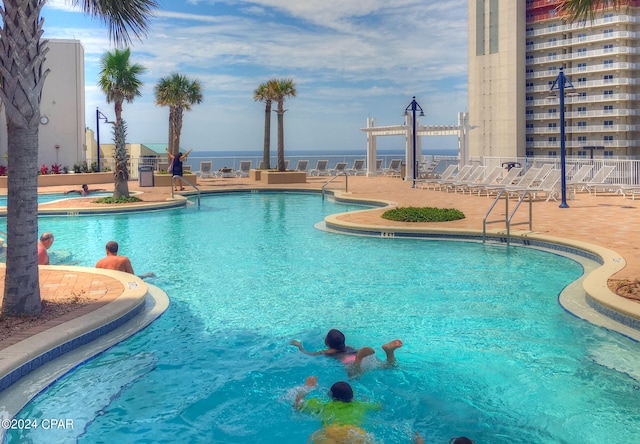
[(583, 9), (178, 93), (120, 81), (22, 54), (264, 94), (281, 89)]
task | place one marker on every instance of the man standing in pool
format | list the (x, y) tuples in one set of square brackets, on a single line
[(119, 263), (46, 240), (335, 341)]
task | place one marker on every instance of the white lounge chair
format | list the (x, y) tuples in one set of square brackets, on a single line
[(206, 169), (549, 186), (599, 181), (321, 169), (379, 164), (429, 171), (302, 165), (446, 174), (473, 177), (462, 174), (506, 180), (358, 167), (395, 168), (340, 168), (245, 167), (489, 179)]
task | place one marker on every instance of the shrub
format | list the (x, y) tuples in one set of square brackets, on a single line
[(424, 214), (44, 170), (3, 170), (55, 168), (118, 200), (77, 167), (94, 167)]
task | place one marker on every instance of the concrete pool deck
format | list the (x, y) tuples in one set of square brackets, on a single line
[(603, 224)]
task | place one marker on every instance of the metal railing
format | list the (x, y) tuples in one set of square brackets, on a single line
[(173, 184), (508, 219), (346, 182)]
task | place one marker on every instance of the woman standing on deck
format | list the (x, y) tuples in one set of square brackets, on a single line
[(175, 167)]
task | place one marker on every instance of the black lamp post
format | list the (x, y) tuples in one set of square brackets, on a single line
[(413, 106), (560, 83), (99, 116)]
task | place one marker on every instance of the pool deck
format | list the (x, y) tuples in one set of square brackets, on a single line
[(606, 221)]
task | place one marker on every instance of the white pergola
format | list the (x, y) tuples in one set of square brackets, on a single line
[(461, 130)]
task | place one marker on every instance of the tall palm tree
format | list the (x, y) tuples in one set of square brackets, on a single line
[(264, 93), (281, 89), (178, 93), (585, 9), (22, 54), (120, 81)]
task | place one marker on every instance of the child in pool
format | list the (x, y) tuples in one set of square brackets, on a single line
[(336, 348), (341, 416)]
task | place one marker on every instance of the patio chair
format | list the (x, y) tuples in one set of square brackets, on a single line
[(262, 165), (507, 179), (394, 169), (429, 171), (474, 177), (446, 174), (340, 168), (599, 181), (163, 166), (286, 164), (463, 173), (321, 169), (488, 180), (206, 169), (245, 167), (358, 168), (379, 164), (524, 183), (302, 165), (549, 186)]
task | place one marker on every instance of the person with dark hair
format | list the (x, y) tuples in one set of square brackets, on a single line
[(341, 416), (46, 240), (456, 440), (84, 190), (176, 166), (336, 348), (120, 263)]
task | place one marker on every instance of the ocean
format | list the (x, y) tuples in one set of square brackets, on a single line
[(231, 159)]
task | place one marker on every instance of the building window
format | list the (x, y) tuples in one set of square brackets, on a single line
[(479, 27), (582, 66), (529, 98), (529, 125), (607, 138), (608, 48), (608, 78), (608, 154), (529, 139), (608, 123), (552, 154), (608, 17), (553, 125), (553, 55), (582, 51), (608, 92), (608, 109), (608, 31), (493, 27), (529, 153), (582, 154), (582, 124), (552, 139), (582, 138), (582, 110), (552, 110), (582, 37), (582, 80), (582, 94), (529, 112), (608, 62)]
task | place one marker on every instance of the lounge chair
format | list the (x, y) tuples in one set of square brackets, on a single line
[(524, 183), (429, 171), (507, 179), (599, 181), (245, 167), (286, 164), (206, 169), (629, 190), (489, 179), (462, 174), (262, 165), (321, 169), (446, 174), (549, 185), (474, 177), (358, 168), (163, 166), (302, 165), (379, 164), (576, 182), (340, 168), (395, 168)]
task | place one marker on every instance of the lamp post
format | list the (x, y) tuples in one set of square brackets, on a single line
[(413, 106), (99, 116), (560, 83)]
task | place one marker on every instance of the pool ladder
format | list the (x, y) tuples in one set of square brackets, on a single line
[(173, 184), (346, 182), (508, 218)]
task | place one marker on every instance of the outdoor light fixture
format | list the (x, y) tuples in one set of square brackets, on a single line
[(413, 107), (560, 83), (99, 116)]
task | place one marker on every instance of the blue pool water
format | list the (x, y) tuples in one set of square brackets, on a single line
[(50, 197), (488, 351)]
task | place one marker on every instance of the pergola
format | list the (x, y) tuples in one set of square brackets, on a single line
[(406, 130)]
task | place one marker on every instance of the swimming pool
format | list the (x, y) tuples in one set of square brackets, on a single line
[(51, 197), (488, 351)]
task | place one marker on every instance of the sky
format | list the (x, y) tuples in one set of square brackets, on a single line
[(349, 59)]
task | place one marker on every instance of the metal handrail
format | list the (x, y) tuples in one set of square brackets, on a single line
[(346, 182), (173, 184), (508, 217)]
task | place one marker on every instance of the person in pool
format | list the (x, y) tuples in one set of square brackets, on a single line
[(336, 348), (341, 416), (84, 190)]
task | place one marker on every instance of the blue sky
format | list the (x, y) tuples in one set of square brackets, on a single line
[(350, 59)]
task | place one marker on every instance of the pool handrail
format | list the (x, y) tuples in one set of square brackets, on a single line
[(346, 182)]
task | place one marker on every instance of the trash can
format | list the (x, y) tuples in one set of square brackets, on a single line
[(509, 165), (145, 176)]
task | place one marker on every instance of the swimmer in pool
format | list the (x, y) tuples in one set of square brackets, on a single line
[(85, 191), (336, 348)]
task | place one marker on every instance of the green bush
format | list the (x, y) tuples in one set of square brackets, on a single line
[(118, 200), (424, 214)]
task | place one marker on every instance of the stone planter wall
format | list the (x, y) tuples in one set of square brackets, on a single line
[(164, 180), (284, 177), (72, 179), (255, 175)]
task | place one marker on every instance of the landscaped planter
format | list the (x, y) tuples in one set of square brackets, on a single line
[(48, 180), (164, 180), (283, 177), (255, 175)]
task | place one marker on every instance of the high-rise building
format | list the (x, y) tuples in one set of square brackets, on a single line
[(516, 48)]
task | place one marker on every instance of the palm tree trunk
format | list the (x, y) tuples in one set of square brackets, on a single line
[(266, 155), (177, 128), (280, 140), (121, 173), (21, 285)]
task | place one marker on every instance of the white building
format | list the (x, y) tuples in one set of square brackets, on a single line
[(516, 48), (62, 130)]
